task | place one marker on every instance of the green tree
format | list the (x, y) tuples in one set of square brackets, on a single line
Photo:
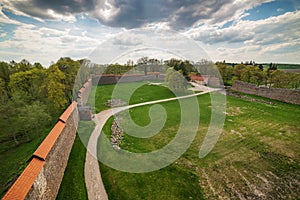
[(294, 80), (27, 83), (5, 73), (257, 76), (38, 65), (22, 66), (175, 80), (238, 71), (225, 72), (205, 67), (184, 66), (3, 92), (278, 79), (69, 68), (54, 89), (31, 119)]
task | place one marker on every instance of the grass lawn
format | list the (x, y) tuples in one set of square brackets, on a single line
[(73, 185), (256, 156)]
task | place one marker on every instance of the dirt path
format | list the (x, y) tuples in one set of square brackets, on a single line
[(93, 180)]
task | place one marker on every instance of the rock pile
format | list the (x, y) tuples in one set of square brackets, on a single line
[(115, 102), (116, 133), (234, 94)]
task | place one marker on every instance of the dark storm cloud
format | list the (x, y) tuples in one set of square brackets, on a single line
[(177, 14), (39, 8)]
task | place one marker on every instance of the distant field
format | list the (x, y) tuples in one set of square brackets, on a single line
[(284, 66), (288, 66), (292, 70)]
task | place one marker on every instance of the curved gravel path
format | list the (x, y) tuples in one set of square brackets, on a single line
[(93, 180)]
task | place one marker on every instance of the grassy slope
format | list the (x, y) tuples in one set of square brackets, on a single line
[(14, 160), (256, 156)]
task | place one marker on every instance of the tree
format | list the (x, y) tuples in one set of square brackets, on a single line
[(27, 84), (69, 68), (3, 92), (294, 80), (238, 71), (5, 72), (205, 67), (278, 79), (257, 76), (22, 66), (37, 65), (31, 119), (185, 66), (272, 66), (143, 62), (175, 80), (225, 72), (54, 89)]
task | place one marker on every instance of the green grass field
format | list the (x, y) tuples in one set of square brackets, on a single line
[(257, 155)]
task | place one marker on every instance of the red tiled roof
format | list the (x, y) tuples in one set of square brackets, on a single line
[(153, 73), (46, 146), (64, 117), (119, 75), (197, 78), (22, 185)]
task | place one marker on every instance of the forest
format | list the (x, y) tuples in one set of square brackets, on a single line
[(32, 97)]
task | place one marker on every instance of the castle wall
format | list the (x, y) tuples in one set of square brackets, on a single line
[(285, 95), (106, 79)]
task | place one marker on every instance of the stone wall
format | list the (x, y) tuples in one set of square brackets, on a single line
[(113, 79), (84, 93), (285, 95)]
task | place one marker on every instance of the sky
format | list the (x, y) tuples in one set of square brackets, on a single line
[(232, 30)]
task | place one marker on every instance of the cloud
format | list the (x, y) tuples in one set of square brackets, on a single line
[(45, 44), (283, 28), (125, 40), (5, 20), (137, 13), (49, 9), (261, 40)]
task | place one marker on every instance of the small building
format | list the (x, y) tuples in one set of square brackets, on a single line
[(198, 79)]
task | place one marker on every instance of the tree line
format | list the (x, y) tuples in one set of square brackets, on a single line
[(257, 74), (32, 96), (248, 71)]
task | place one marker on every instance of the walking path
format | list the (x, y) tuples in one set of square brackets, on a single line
[(93, 180)]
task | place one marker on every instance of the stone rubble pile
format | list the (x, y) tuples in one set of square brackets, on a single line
[(234, 94), (116, 133), (115, 102)]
